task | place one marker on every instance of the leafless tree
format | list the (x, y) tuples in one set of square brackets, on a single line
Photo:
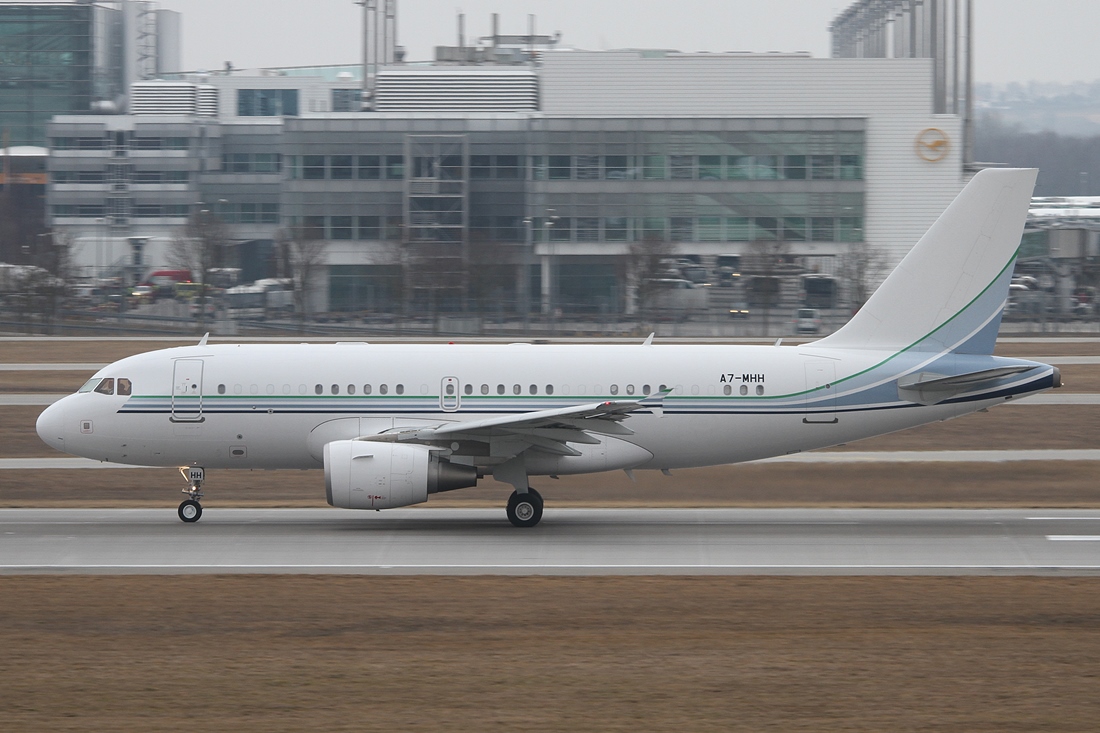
[(767, 262), (203, 246), (645, 264), (301, 258), (862, 269)]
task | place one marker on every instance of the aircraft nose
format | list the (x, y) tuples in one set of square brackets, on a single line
[(51, 425)]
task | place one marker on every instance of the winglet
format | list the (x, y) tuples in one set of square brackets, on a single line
[(202, 341), (649, 340)]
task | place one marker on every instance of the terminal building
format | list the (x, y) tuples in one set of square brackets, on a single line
[(538, 180)]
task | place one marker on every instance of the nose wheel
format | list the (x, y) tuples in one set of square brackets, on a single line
[(525, 510), (190, 510)]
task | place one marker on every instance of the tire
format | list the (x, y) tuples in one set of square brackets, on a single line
[(525, 510), (190, 511)]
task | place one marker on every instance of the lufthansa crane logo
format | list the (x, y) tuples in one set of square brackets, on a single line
[(932, 145)]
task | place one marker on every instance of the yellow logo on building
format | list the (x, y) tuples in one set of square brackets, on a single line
[(932, 145)]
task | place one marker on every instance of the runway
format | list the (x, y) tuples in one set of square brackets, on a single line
[(567, 542)]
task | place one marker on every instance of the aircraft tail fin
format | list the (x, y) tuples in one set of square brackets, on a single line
[(949, 292)]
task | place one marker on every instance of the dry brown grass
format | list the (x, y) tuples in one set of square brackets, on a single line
[(338, 653)]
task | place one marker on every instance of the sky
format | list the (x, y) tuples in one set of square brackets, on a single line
[(1015, 40)]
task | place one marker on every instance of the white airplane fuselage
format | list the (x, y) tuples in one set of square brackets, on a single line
[(275, 406)]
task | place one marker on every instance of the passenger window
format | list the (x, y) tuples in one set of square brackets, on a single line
[(516, 389), (695, 389), (759, 389), (319, 389), (645, 389), (744, 390), (383, 389), (253, 389), (124, 386), (107, 386), (237, 389), (468, 389), (728, 389), (400, 389), (286, 389), (484, 389), (614, 389), (664, 387), (450, 389), (335, 389), (500, 389), (366, 389), (221, 389), (271, 389), (630, 389), (549, 389), (351, 389), (534, 389)]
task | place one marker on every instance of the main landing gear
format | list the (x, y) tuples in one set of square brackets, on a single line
[(525, 510), (190, 510)]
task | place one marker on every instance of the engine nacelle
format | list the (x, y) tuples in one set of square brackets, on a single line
[(361, 474)]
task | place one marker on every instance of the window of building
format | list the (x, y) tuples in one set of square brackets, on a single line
[(267, 102), (616, 229), (313, 227), (369, 228), (766, 228), (508, 167), (562, 230), (347, 100), (617, 167), (766, 167), (313, 167), (739, 167), (481, 167), (851, 168), (369, 167), (654, 168), (710, 167), (710, 229), (794, 229), (794, 167), (588, 229), (342, 227), (395, 167), (738, 229), (538, 167), (850, 229), (683, 228), (561, 167), (823, 167), (341, 168), (823, 229), (588, 167), (682, 167)]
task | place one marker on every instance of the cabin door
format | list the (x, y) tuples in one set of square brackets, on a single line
[(187, 390), (449, 398), (820, 391)]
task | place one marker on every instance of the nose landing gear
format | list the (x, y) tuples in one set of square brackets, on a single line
[(190, 510)]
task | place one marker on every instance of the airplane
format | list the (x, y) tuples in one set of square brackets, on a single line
[(392, 424)]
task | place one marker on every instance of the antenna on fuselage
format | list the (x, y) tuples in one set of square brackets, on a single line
[(202, 341), (649, 341)]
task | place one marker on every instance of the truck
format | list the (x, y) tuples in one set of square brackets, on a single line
[(267, 298)]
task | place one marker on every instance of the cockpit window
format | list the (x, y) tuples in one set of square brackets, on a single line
[(107, 386), (124, 386), (89, 385)]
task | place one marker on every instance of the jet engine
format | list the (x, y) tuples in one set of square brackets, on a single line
[(360, 474)]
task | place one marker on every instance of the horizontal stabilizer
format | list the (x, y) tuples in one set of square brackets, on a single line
[(927, 388)]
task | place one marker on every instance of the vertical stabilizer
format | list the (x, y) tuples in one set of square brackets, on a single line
[(949, 292)]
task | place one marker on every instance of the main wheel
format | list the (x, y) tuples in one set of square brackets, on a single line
[(190, 511), (525, 510)]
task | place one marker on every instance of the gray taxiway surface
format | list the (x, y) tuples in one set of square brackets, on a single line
[(567, 542)]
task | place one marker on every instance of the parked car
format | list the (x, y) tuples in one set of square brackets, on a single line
[(739, 310), (807, 320)]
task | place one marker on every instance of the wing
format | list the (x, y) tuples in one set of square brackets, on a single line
[(548, 430)]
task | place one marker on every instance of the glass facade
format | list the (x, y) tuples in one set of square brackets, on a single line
[(55, 59)]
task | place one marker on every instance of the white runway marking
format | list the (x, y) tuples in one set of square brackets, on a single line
[(1073, 538)]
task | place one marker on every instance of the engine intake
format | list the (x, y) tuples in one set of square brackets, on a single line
[(360, 474)]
